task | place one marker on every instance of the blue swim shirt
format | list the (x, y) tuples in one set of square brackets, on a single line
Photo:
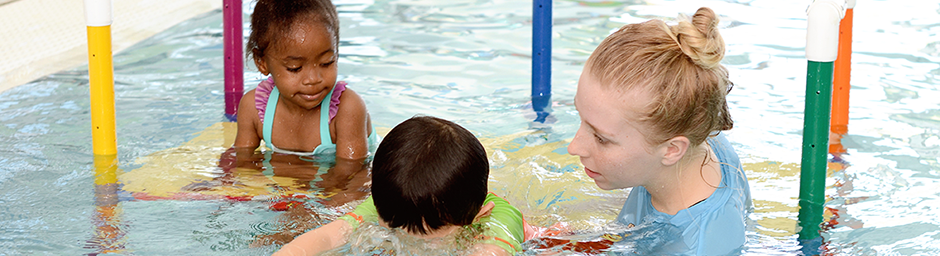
[(712, 227)]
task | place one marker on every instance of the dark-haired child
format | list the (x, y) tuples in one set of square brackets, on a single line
[(429, 179)]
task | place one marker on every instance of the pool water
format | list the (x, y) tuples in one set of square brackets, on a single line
[(469, 61)]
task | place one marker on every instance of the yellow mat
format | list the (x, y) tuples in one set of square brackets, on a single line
[(191, 172), (171, 173), (528, 169)]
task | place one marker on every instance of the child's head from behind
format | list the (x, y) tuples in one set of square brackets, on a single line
[(677, 67), (429, 173)]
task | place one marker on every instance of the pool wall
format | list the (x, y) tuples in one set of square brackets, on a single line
[(41, 37)]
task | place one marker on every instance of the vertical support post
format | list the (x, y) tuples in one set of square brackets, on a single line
[(541, 58), (234, 59), (840, 81), (815, 140), (821, 51), (98, 17), (101, 76)]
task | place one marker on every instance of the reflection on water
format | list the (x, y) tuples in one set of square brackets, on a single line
[(372, 239), (652, 237), (325, 184), (109, 236)]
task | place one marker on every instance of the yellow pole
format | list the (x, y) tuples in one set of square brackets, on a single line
[(106, 168), (101, 79), (109, 238)]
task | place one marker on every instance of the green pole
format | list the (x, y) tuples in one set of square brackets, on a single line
[(815, 147), (822, 49)]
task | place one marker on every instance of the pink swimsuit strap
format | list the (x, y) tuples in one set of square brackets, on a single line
[(263, 92)]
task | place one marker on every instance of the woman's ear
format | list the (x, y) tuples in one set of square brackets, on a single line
[(485, 211), (675, 149)]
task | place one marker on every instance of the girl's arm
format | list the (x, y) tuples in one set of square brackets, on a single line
[(351, 127), (319, 240), (248, 135)]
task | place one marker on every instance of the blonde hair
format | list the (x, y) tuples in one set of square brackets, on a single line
[(678, 66)]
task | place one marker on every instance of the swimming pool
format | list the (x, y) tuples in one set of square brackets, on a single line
[(468, 61)]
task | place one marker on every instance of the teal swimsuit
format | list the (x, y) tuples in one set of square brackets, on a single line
[(326, 147), (266, 97)]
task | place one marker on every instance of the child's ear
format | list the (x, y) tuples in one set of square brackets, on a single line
[(674, 149), (485, 211), (262, 67)]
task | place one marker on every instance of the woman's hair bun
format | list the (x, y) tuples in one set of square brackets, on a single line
[(699, 38)]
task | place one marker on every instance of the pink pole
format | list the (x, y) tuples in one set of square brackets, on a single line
[(234, 60)]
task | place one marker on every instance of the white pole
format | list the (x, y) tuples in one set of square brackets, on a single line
[(822, 31), (98, 13)]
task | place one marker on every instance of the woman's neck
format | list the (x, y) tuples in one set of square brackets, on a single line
[(690, 181)]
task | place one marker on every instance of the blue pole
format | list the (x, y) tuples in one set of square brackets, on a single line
[(541, 58)]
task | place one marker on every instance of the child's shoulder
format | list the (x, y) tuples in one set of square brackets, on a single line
[(246, 106), (504, 226), (257, 99), (342, 91), (364, 212), (345, 101)]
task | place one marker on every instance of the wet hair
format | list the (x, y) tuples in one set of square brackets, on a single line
[(429, 173), (273, 18), (678, 66)]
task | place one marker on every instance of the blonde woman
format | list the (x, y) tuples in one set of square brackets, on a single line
[(652, 105)]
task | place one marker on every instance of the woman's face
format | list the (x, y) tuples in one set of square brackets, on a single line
[(610, 141)]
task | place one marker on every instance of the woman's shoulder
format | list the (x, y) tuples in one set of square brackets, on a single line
[(724, 150), (733, 177)]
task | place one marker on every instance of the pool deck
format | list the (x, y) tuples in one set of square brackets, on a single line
[(41, 37)]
